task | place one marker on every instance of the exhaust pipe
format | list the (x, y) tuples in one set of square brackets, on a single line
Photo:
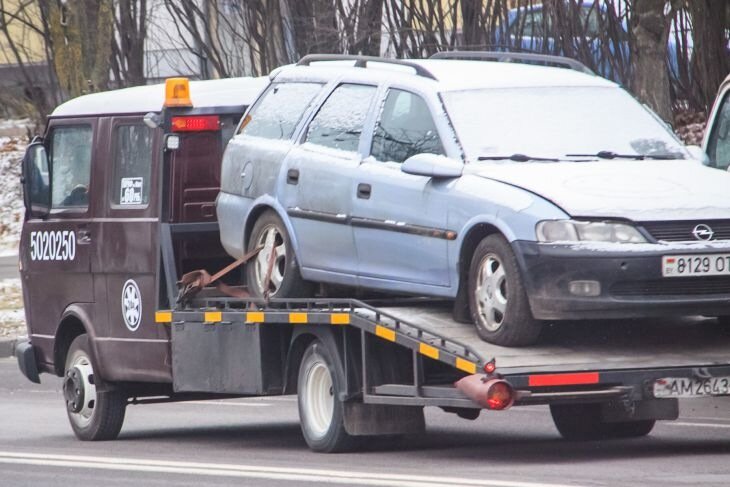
[(494, 394)]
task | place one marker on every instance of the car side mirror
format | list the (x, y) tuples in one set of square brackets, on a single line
[(433, 166), (36, 181), (698, 154)]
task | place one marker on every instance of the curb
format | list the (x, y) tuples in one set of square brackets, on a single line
[(7, 347)]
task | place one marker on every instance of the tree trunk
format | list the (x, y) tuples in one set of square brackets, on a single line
[(711, 59), (650, 78)]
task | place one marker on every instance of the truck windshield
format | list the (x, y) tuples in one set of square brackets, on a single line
[(555, 121)]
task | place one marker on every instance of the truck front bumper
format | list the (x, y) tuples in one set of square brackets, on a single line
[(630, 281), (25, 354)]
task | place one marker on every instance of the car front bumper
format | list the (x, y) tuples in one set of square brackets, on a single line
[(631, 282)]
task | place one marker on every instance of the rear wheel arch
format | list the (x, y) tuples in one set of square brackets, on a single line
[(256, 213), (472, 237), (300, 340)]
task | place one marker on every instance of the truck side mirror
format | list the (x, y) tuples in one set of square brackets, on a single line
[(36, 181)]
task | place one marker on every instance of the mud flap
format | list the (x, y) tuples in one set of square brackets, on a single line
[(381, 419), (658, 409)]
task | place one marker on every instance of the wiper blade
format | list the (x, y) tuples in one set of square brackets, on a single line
[(607, 154), (517, 158)]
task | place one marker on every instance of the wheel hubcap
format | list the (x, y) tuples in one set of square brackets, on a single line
[(79, 390), (491, 292), (273, 247), (319, 399)]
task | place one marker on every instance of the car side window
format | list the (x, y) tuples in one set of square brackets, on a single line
[(70, 156), (132, 165), (276, 114), (718, 147), (339, 122), (405, 128)]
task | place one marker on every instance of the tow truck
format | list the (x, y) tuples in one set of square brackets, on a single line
[(119, 196)]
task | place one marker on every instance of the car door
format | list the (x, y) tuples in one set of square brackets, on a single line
[(400, 219), (320, 177), (718, 139), (133, 345), (57, 250)]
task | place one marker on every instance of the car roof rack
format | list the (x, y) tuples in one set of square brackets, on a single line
[(362, 62), (525, 57)]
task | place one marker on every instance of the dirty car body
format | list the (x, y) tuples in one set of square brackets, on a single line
[(598, 200)]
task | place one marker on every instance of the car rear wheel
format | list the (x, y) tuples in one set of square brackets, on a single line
[(583, 422), (284, 279), (321, 412), (497, 299), (94, 415)]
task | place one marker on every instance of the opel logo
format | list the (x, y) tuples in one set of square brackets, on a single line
[(703, 232)]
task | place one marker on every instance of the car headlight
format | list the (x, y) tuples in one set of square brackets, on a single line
[(575, 231)]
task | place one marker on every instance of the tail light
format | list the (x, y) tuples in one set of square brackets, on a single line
[(200, 123), (495, 394)]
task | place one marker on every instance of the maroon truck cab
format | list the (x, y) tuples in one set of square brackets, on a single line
[(115, 175)]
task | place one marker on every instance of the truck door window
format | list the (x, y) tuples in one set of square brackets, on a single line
[(70, 157), (718, 148), (405, 128), (278, 111), (339, 122), (132, 163)]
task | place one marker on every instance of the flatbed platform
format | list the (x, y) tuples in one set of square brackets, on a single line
[(595, 345)]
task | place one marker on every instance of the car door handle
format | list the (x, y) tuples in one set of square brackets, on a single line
[(364, 191), (292, 176)]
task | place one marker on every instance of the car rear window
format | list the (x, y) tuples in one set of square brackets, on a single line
[(277, 112)]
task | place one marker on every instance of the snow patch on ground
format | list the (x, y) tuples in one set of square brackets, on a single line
[(12, 315), (11, 195)]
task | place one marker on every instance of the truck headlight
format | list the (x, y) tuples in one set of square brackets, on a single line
[(575, 231)]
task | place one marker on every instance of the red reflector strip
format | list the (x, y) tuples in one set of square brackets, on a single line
[(201, 123), (564, 379)]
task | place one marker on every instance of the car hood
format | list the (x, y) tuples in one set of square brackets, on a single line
[(637, 190)]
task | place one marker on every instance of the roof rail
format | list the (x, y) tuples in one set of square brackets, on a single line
[(547, 59), (362, 62)]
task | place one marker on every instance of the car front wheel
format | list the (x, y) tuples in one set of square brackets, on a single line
[(497, 298)]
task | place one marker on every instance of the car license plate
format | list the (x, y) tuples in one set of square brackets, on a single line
[(684, 387), (695, 265)]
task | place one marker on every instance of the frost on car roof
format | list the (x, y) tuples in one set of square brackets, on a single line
[(454, 75), (143, 99)]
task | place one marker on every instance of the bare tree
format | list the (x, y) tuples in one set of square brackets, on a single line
[(128, 43)]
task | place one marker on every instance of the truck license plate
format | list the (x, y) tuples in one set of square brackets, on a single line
[(696, 265), (684, 387)]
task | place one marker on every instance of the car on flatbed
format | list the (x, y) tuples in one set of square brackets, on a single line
[(525, 193)]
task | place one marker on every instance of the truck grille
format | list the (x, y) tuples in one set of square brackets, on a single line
[(681, 231), (675, 286)]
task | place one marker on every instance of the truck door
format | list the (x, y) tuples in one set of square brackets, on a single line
[(55, 251), (133, 346)]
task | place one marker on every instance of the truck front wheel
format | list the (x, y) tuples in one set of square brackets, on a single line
[(584, 422), (321, 411), (94, 415)]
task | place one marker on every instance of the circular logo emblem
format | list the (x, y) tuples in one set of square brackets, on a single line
[(131, 305), (703, 232)]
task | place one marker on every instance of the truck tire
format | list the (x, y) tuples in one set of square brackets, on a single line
[(497, 299), (321, 412), (285, 280), (94, 416), (582, 422)]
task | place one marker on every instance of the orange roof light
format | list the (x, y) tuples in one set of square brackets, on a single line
[(177, 92)]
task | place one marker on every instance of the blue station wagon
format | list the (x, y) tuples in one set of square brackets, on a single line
[(524, 193)]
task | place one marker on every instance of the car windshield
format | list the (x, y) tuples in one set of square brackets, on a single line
[(556, 121)]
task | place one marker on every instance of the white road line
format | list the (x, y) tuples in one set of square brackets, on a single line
[(696, 425), (223, 403), (253, 471)]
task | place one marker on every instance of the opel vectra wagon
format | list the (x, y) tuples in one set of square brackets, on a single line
[(524, 192)]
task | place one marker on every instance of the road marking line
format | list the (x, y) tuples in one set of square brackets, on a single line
[(699, 425), (253, 471), (222, 403)]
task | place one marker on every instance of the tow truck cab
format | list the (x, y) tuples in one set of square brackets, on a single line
[(115, 173)]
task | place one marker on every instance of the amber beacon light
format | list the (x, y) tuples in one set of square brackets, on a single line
[(177, 92)]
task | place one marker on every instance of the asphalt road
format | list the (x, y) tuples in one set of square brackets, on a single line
[(9, 267), (257, 442)]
